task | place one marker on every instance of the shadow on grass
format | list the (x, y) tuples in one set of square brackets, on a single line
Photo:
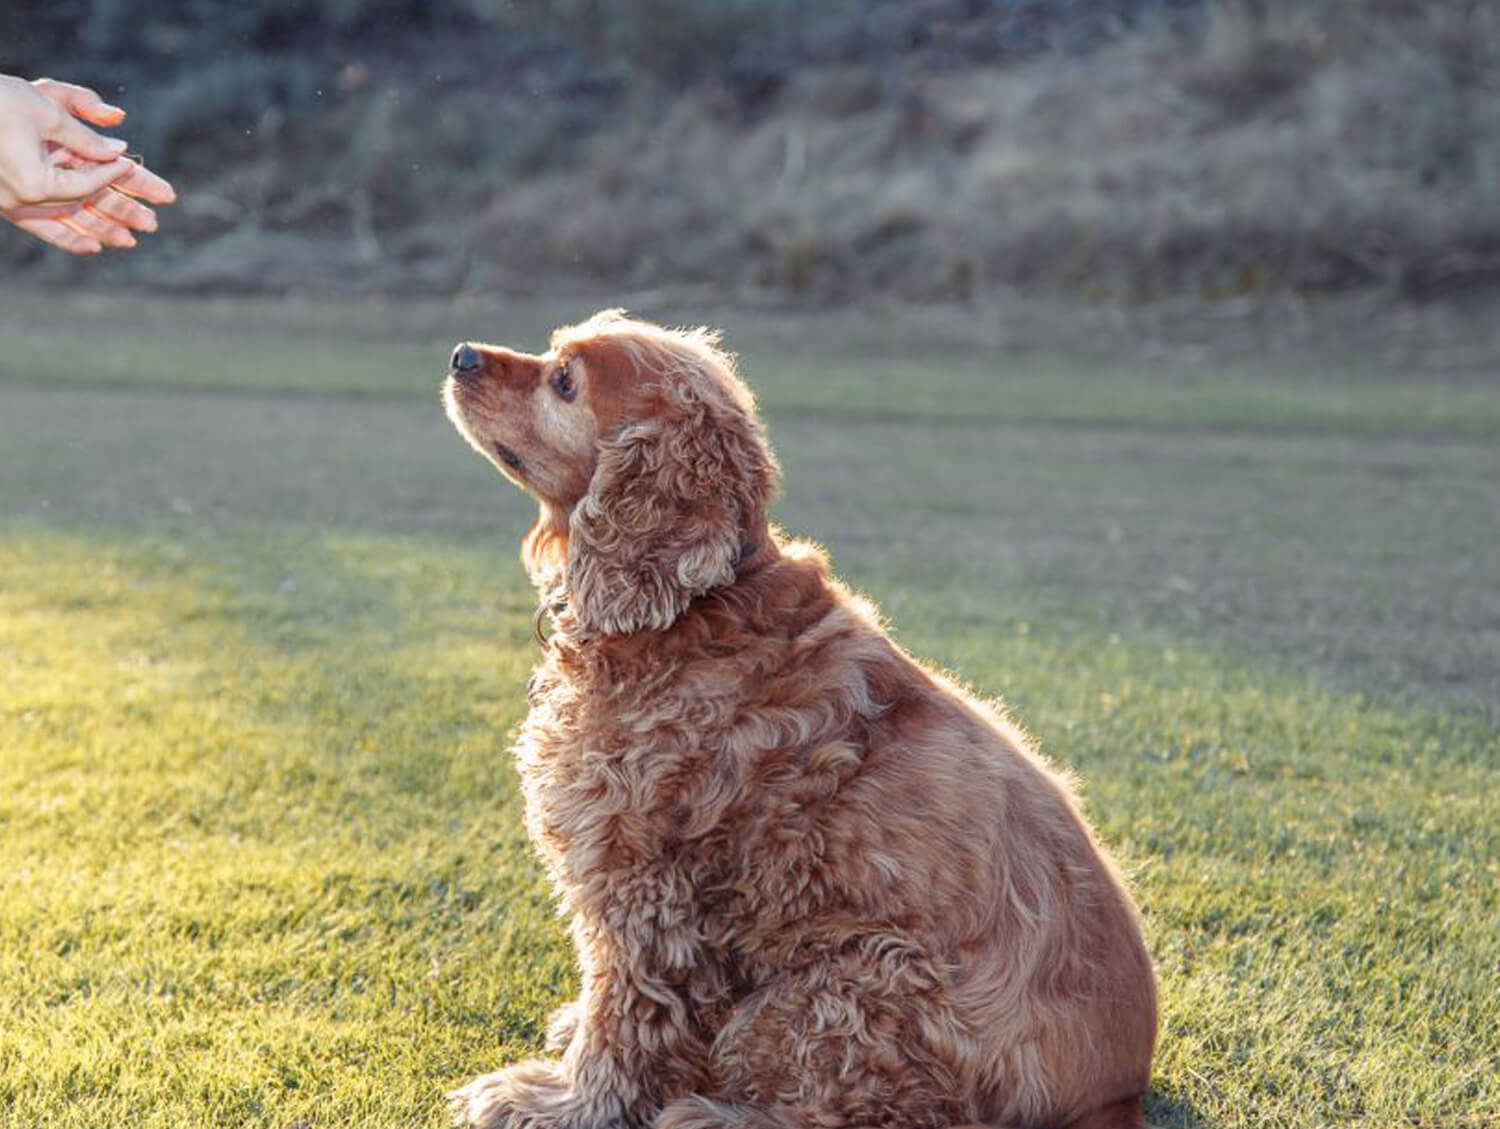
[(1168, 1110)]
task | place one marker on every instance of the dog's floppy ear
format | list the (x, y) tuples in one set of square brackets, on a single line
[(671, 504), (544, 549)]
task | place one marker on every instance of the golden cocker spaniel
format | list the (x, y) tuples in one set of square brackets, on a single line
[(811, 882)]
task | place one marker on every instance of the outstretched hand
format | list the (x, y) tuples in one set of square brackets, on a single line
[(61, 181)]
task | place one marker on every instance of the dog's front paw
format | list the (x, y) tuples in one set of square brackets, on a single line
[(529, 1095)]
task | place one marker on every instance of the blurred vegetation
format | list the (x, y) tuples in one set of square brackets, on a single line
[(930, 149)]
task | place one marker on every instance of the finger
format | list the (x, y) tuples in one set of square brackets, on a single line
[(80, 101), (63, 157), (144, 183), (73, 134), (41, 211), (107, 218), (113, 206), (107, 231), (81, 183), (122, 209), (140, 182), (59, 234)]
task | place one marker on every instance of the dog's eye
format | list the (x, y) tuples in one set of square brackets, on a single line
[(562, 382)]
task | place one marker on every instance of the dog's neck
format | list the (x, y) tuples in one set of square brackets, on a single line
[(552, 587)]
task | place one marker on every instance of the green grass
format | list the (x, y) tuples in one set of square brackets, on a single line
[(244, 884), (260, 647)]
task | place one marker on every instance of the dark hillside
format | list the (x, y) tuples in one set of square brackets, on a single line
[(931, 149)]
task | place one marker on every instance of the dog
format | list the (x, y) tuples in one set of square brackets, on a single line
[(811, 882)]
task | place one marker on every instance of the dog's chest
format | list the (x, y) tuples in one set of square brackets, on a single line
[(604, 772)]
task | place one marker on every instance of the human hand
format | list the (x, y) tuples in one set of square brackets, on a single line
[(61, 181)]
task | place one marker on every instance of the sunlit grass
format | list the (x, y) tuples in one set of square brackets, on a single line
[(262, 864), (241, 884)]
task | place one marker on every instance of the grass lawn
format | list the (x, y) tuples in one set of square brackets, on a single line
[(263, 634)]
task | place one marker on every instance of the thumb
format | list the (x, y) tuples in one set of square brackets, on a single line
[(73, 134), (80, 101), (81, 183)]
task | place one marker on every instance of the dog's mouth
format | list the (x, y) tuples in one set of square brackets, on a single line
[(461, 383), (509, 457), (465, 380), (473, 424)]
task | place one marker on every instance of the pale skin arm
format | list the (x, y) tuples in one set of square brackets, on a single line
[(62, 182)]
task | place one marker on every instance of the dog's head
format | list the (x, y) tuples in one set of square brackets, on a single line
[(643, 449)]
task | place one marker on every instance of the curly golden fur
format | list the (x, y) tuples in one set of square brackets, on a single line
[(811, 882)]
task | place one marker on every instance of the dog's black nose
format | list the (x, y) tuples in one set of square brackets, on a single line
[(466, 358)]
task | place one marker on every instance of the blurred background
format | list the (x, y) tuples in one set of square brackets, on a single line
[(936, 150), (1140, 358)]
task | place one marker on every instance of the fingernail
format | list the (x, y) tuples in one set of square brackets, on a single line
[(117, 144), (108, 109)]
